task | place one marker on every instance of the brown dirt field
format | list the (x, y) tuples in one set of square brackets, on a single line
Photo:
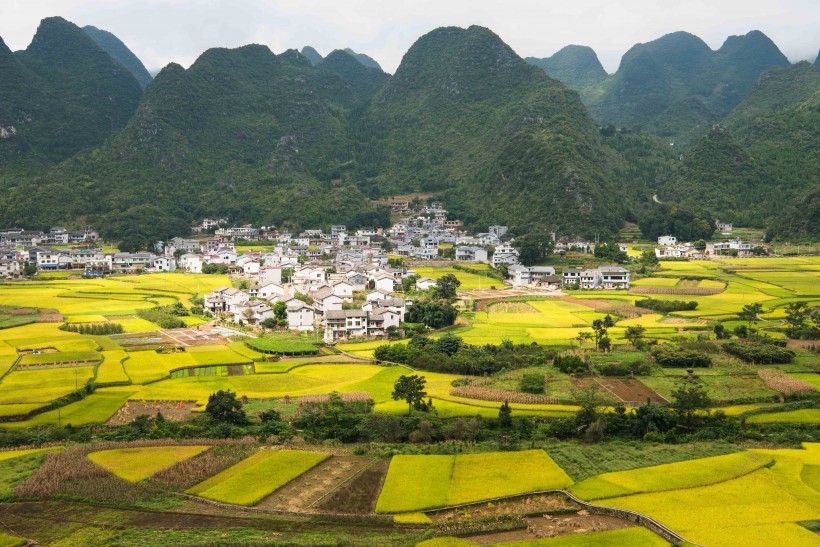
[(692, 291), (802, 344), (552, 526), (520, 506), (630, 390), (303, 492), (196, 337), (359, 495), (169, 410), (22, 311), (687, 283), (603, 306)]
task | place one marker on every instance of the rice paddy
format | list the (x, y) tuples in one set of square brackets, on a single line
[(416, 483), (136, 464), (758, 508), (258, 476), (672, 476)]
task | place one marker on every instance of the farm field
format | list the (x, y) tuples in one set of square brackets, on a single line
[(136, 464), (726, 513), (424, 482), (468, 280), (251, 480)]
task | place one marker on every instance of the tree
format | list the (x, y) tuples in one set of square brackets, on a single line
[(750, 312), (223, 406), (534, 247), (700, 245), (408, 282), (446, 287), (600, 328), (796, 315), (649, 258), (690, 400), (583, 337), (634, 334), (611, 251), (411, 390), (505, 416), (591, 403), (30, 269), (720, 332), (280, 313), (503, 270), (302, 258)]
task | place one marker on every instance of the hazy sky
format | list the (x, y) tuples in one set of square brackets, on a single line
[(161, 31)]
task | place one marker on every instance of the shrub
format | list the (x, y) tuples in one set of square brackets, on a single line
[(759, 352), (665, 306), (285, 347), (570, 364), (683, 358), (93, 328), (637, 368), (532, 383)]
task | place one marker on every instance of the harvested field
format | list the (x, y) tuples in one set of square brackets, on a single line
[(144, 340), (550, 526), (305, 491), (360, 494), (176, 411), (501, 395), (630, 390), (196, 336), (604, 306)]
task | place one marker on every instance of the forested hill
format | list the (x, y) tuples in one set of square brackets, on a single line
[(60, 95), (243, 133), (675, 86), (302, 141), (120, 53), (762, 168), (578, 68), (464, 113)]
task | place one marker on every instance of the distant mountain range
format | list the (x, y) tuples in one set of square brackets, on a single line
[(299, 140)]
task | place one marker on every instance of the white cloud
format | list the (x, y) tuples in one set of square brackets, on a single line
[(162, 31)]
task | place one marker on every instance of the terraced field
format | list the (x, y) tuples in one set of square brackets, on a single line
[(424, 482)]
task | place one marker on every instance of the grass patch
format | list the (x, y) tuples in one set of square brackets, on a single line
[(136, 464), (284, 347), (253, 479), (60, 357), (412, 518)]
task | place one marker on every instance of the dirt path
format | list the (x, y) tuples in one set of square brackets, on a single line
[(304, 491)]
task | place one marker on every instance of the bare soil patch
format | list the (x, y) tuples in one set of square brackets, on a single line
[(630, 390), (304, 491), (136, 341), (687, 283), (559, 525), (176, 411), (360, 494), (623, 309), (196, 336)]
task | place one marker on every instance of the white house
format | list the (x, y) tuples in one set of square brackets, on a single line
[(191, 263), (344, 290), (384, 282), (300, 315), (471, 254), (272, 291), (667, 240), (424, 283), (254, 311), (270, 274)]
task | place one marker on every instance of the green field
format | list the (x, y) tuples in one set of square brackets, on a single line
[(96, 408), (803, 416), (136, 464), (672, 476), (416, 483), (759, 508), (253, 479)]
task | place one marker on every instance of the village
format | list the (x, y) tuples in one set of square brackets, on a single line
[(346, 284)]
